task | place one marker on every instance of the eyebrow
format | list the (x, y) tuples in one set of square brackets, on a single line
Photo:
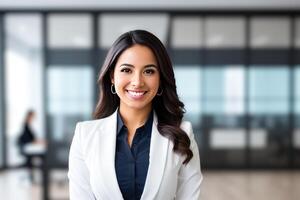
[(146, 66)]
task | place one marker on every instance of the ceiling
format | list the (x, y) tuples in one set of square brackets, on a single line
[(153, 4)]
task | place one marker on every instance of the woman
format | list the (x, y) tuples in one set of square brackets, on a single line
[(138, 148), (26, 138), (27, 135)]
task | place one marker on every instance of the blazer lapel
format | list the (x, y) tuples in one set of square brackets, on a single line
[(157, 161), (105, 161)]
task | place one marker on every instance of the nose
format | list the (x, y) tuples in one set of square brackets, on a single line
[(137, 80)]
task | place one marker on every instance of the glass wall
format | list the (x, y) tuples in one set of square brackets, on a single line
[(189, 92), (70, 79), (23, 78), (224, 111), (184, 49), (223, 101), (269, 93), (67, 104), (269, 109), (111, 26), (233, 74), (69, 63), (122, 22)]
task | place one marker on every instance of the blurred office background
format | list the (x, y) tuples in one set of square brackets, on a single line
[(237, 69)]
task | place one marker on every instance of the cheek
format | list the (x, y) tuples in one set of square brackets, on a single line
[(118, 79), (154, 83)]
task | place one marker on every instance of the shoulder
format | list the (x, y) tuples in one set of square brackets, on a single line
[(85, 130), (97, 123), (88, 133), (91, 127)]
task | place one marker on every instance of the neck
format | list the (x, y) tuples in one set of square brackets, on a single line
[(134, 118)]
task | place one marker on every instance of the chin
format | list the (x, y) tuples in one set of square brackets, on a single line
[(137, 106)]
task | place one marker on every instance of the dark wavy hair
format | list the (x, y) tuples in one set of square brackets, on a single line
[(168, 107)]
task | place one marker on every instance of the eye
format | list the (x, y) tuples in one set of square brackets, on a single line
[(149, 71), (126, 70)]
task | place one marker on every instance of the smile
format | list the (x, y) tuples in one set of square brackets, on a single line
[(136, 94)]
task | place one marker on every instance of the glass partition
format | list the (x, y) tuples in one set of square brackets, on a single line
[(188, 82), (186, 47), (111, 26), (269, 111), (270, 32), (237, 93), (225, 32), (70, 100), (70, 77), (70, 31), (70, 88), (24, 78), (183, 39), (189, 92), (223, 115), (185, 51)]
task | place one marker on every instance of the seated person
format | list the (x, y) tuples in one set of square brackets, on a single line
[(28, 137)]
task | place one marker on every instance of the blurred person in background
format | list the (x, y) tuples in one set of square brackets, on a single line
[(138, 147), (26, 140)]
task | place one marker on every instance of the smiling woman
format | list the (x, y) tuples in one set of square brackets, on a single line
[(136, 83), (138, 147)]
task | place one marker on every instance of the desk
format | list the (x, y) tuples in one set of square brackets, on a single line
[(39, 150), (35, 149)]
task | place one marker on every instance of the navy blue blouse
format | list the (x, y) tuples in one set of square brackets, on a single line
[(131, 163)]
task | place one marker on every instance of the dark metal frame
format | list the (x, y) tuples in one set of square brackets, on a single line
[(176, 11), (45, 171), (246, 87), (291, 98), (2, 91)]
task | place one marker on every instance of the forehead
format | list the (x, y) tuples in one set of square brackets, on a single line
[(138, 54)]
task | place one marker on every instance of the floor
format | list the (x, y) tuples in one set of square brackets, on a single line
[(217, 185), (16, 185), (257, 185)]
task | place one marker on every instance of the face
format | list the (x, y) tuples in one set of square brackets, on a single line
[(31, 117), (136, 78)]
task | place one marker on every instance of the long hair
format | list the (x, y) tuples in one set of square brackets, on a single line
[(168, 107)]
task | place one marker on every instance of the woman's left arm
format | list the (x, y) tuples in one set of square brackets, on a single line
[(190, 176), (79, 177)]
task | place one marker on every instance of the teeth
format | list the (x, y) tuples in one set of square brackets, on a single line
[(135, 93)]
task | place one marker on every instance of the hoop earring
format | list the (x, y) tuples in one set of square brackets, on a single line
[(160, 93), (112, 89)]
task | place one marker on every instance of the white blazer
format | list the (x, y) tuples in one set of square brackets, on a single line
[(92, 165)]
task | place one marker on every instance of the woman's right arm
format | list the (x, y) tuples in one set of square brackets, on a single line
[(79, 182)]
